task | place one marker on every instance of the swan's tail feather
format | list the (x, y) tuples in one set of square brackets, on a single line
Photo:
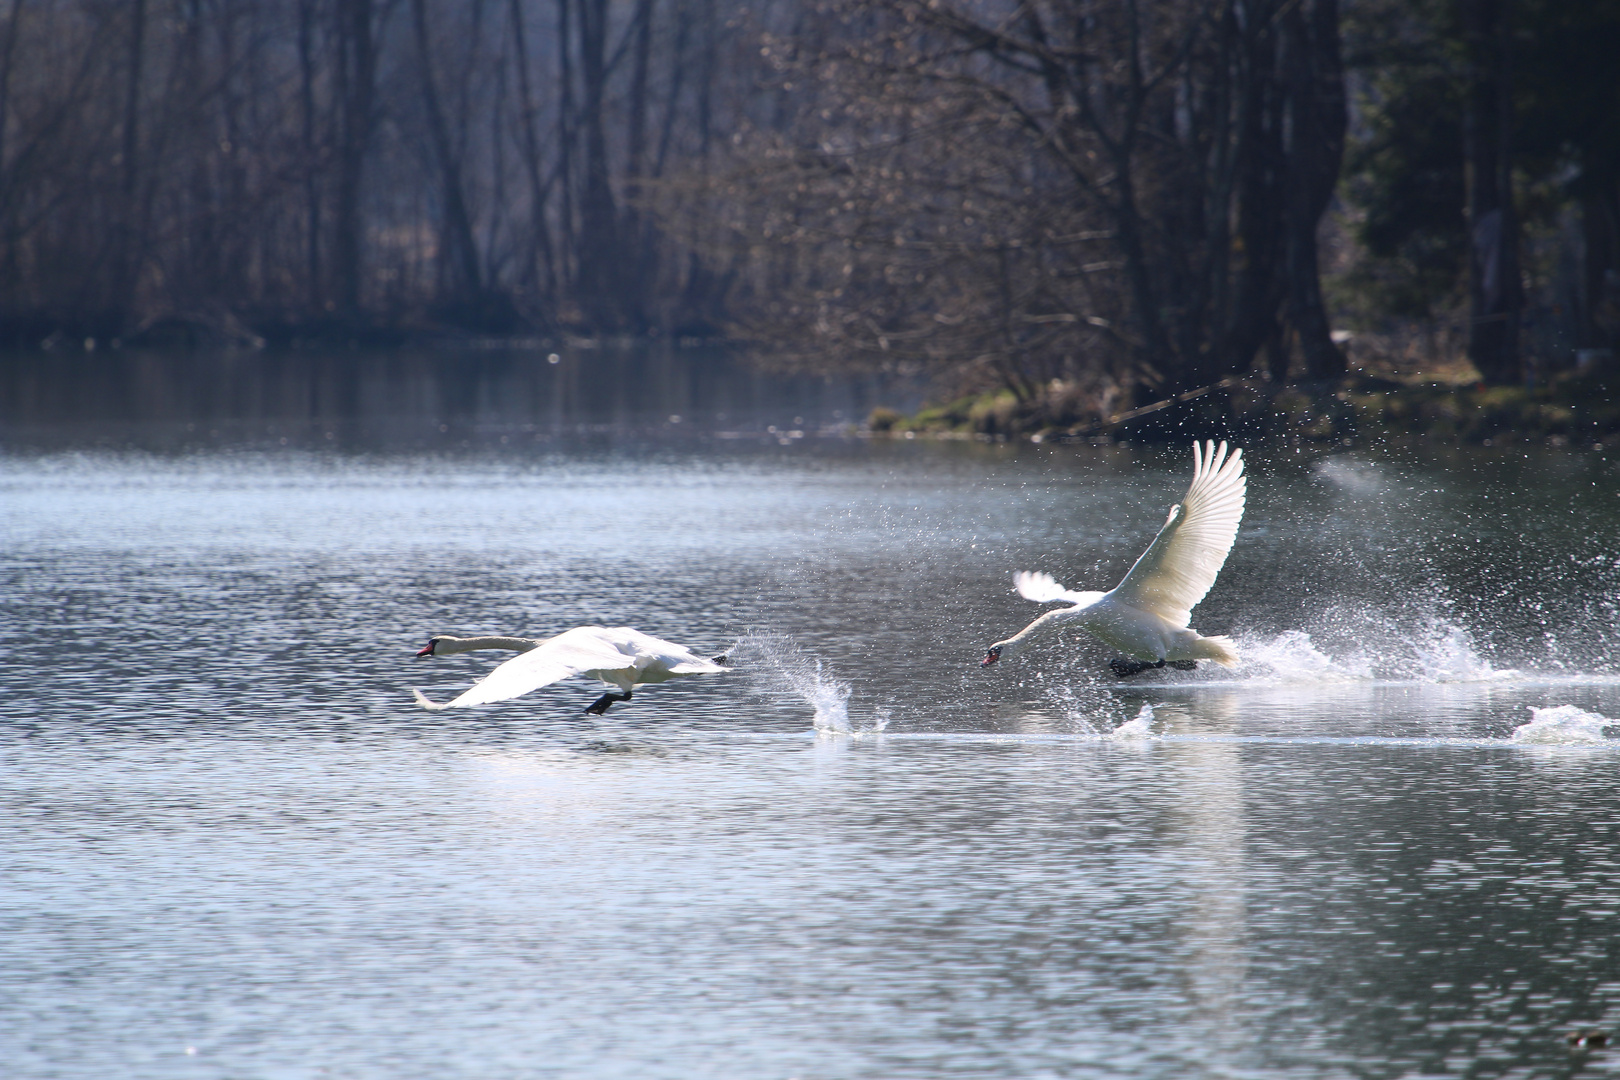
[(426, 703), (1219, 649)]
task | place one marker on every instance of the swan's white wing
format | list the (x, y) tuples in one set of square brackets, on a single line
[(1178, 568), (1044, 588), (646, 651), (594, 649), (567, 654)]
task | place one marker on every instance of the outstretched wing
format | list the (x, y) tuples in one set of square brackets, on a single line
[(1178, 568), (1044, 589), (642, 651), (567, 654)]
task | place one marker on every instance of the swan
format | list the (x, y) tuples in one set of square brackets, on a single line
[(1146, 614), (619, 656)]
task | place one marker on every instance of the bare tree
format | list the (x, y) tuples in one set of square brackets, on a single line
[(1129, 193), (1074, 202)]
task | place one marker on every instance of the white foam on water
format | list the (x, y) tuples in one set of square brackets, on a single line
[(1138, 727), (1564, 724), (1293, 657), (786, 667), (1434, 651)]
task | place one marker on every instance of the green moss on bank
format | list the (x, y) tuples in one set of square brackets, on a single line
[(1578, 411)]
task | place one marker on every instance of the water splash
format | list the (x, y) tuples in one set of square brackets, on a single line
[(829, 695), (1081, 704), (1355, 477), (1446, 653), (787, 668), (1435, 650), (1293, 657), (1564, 724), (1138, 727)]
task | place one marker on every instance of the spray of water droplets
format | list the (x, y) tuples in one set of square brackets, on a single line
[(1437, 651), (1138, 727), (783, 667)]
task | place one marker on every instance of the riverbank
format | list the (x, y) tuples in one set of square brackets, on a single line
[(1577, 410)]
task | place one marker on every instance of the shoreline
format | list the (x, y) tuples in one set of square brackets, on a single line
[(1573, 411)]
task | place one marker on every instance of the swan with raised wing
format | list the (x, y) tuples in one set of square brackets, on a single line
[(619, 656), (1145, 616)]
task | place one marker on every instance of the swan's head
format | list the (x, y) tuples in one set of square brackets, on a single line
[(999, 650), (433, 643)]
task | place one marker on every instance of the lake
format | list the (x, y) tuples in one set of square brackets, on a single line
[(236, 848)]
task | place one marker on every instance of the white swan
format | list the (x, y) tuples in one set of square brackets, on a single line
[(619, 656), (1146, 614)]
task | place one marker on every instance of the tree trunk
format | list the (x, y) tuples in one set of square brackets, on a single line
[(1600, 233), (357, 77), (565, 143), (8, 247), (312, 192), (672, 96), (1314, 152), (543, 276), (126, 261), (7, 50), (461, 247), (636, 230), (601, 287), (1159, 361), (1493, 266), (1257, 289)]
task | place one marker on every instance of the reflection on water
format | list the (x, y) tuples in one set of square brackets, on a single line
[(1211, 784), (235, 848), (431, 398)]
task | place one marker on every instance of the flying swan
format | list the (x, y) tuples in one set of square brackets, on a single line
[(619, 656), (1146, 615)]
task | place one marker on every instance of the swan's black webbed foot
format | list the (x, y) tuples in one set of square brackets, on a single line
[(722, 659), (1126, 668), (601, 704)]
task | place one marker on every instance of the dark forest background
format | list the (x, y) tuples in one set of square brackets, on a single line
[(1085, 204)]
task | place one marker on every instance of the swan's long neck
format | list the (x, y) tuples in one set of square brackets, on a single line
[(443, 646), (1048, 621)]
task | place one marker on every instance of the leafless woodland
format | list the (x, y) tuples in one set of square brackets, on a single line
[(1079, 201)]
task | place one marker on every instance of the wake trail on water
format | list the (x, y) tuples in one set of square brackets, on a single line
[(1367, 648), (784, 667), (1353, 644), (1436, 652), (1378, 628), (1557, 725)]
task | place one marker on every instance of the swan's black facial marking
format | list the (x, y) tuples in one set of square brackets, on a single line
[(427, 650), (991, 657)]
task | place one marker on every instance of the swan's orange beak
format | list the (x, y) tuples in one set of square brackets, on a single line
[(427, 650), (990, 657)]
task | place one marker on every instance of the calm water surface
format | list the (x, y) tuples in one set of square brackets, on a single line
[(235, 848)]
